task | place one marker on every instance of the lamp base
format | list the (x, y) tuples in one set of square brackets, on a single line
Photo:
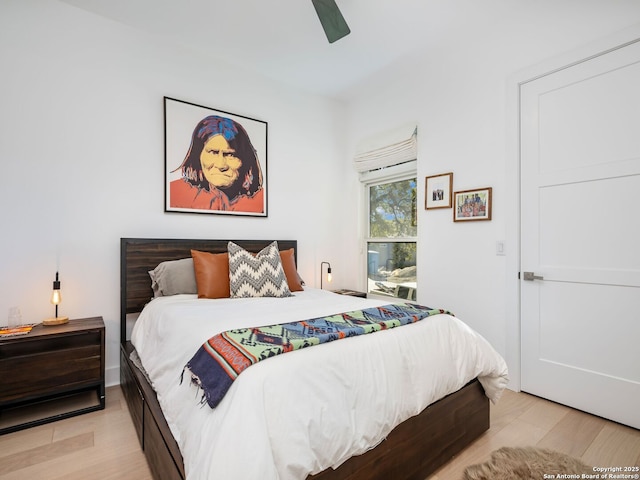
[(55, 321)]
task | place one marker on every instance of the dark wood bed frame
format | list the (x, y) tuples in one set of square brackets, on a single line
[(413, 450)]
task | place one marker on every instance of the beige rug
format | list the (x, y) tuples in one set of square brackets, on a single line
[(527, 463)]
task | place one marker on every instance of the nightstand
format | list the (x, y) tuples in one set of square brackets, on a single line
[(53, 372), (352, 293)]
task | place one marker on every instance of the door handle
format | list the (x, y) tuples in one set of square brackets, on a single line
[(530, 276)]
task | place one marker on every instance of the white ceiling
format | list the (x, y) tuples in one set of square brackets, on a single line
[(283, 39)]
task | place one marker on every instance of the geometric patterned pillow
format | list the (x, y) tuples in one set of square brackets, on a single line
[(261, 275)]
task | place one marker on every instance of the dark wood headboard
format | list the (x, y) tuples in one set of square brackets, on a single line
[(140, 255)]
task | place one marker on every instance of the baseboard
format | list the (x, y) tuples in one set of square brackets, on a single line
[(112, 376)]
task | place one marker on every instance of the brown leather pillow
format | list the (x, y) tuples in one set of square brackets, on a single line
[(212, 274), (290, 270)]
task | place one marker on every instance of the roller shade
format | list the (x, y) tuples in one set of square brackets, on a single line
[(387, 148)]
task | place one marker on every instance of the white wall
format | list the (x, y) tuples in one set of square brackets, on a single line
[(461, 95), (82, 158), (82, 162), (460, 118)]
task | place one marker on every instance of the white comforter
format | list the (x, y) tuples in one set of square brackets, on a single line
[(302, 412)]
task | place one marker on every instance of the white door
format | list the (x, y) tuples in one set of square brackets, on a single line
[(580, 232)]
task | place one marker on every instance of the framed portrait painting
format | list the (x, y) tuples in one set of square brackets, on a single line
[(215, 161), (438, 189), (472, 205)]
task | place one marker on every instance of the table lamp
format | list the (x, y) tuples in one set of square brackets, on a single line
[(56, 298)]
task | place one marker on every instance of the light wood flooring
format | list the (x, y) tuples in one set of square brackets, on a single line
[(103, 445), (520, 420), (99, 445)]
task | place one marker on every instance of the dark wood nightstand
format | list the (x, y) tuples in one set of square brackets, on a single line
[(352, 293), (51, 373)]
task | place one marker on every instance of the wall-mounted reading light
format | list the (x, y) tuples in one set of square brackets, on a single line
[(328, 272)]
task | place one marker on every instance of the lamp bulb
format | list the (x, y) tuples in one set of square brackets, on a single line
[(56, 298)]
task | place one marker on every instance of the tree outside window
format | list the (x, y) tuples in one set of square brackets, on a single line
[(391, 246)]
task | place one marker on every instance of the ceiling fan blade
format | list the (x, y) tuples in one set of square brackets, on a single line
[(333, 23)]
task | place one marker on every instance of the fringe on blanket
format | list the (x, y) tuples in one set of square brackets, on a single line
[(195, 381)]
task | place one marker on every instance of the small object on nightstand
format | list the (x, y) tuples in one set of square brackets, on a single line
[(56, 298), (15, 317), (15, 331), (352, 293)]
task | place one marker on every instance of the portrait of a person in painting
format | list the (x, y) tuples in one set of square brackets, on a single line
[(221, 170)]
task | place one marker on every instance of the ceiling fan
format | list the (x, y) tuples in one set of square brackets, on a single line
[(333, 23)]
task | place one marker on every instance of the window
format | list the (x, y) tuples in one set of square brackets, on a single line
[(392, 230)]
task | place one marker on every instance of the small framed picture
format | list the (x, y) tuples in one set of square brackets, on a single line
[(472, 205), (437, 190)]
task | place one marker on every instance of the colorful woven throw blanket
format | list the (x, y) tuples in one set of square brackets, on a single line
[(220, 360)]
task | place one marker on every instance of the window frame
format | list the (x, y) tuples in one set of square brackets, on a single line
[(396, 173)]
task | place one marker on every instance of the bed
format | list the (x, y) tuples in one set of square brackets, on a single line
[(434, 430)]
